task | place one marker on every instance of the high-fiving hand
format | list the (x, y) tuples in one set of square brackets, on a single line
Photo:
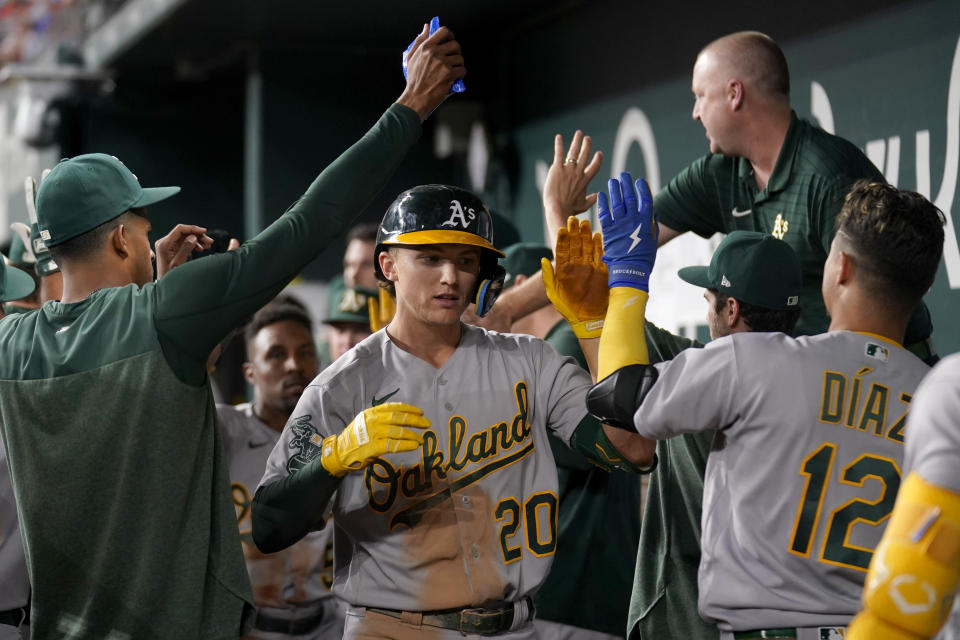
[(577, 285), (629, 226)]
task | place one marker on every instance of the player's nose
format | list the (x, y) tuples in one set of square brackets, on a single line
[(448, 273)]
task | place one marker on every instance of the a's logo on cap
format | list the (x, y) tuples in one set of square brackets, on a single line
[(459, 215), (352, 302), (792, 301), (724, 282)]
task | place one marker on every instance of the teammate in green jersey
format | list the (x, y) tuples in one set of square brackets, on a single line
[(767, 170), (107, 415)]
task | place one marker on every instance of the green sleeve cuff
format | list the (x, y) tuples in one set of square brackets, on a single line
[(590, 440), (288, 509)]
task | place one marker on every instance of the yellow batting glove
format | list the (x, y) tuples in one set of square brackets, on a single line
[(915, 571), (578, 286), (382, 312), (373, 433)]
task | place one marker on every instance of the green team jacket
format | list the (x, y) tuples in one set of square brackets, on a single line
[(664, 599), (599, 522), (109, 423)]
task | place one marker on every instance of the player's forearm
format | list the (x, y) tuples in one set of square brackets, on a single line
[(623, 451), (202, 300), (636, 449), (590, 348), (524, 298), (666, 234), (288, 509)]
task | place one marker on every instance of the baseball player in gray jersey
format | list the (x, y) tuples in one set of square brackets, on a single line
[(291, 589), (448, 530), (913, 578), (803, 474)]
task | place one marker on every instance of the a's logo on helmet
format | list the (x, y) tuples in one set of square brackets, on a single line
[(459, 215)]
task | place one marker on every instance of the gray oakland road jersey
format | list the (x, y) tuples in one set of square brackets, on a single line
[(803, 475), (933, 443), (298, 575), (14, 581), (470, 517)]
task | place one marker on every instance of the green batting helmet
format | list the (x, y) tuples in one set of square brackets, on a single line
[(442, 214)]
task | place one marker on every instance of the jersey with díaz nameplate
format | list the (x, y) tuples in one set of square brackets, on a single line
[(803, 474), (468, 518), (299, 575)]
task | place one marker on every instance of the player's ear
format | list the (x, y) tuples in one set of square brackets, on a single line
[(731, 313), (735, 93), (388, 264), (247, 372), (119, 240), (846, 266)]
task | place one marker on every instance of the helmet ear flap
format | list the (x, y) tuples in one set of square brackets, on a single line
[(488, 290)]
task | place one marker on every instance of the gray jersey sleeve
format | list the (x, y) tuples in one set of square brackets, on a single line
[(670, 409), (932, 436), (563, 388), (325, 408)]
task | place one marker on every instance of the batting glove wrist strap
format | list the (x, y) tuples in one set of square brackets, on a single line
[(373, 433), (629, 232)]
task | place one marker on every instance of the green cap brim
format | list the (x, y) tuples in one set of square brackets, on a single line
[(152, 195), (696, 276), (16, 284)]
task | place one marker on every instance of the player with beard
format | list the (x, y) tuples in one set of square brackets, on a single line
[(291, 589)]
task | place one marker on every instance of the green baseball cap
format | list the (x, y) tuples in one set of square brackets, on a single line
[(349, 305), (14, 284), (752, 267), (523, 259), (19, 255), (82, 193)]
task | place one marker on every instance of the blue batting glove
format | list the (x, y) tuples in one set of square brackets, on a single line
[(629, 232)]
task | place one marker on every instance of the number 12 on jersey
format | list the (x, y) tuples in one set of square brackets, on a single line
[(837, 549)]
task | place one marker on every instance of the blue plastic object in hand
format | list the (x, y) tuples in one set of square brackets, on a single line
[(629, 230), (458, 86)]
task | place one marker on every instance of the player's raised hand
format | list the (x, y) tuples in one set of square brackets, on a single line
[(629, 227), (434, 63), (577, 285), (565, 189), (374, 432), (173, 249)]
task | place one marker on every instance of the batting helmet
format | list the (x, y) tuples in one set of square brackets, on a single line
[(441, 214)]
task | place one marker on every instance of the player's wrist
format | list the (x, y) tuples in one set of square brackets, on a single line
[(586, 329), (415, 102), (635, 275), (330, 458)]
